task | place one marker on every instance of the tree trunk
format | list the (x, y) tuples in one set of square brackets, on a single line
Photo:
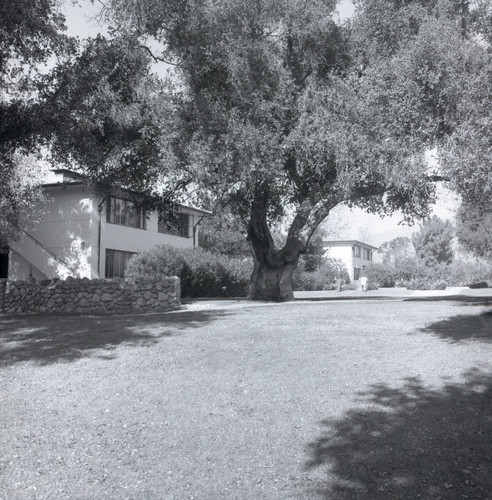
[(272, 282), (273, 268)]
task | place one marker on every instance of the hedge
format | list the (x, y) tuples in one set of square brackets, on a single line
[(202, 273)]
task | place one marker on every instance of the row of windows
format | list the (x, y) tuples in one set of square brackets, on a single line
[(363, 253), (127, 213)]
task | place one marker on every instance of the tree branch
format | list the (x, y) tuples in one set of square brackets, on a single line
[(438, 178), (157, 58)]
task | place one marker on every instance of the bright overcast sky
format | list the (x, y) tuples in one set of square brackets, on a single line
[(81, 18)]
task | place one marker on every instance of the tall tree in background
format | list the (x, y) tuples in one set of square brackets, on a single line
[(32, 32), (283, 109), (433, 242), (396, 250), (92, 106)]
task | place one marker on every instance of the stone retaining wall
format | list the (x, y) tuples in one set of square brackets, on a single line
[(85, 296)]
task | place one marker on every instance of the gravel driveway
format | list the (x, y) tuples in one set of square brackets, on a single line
[(337, 400)]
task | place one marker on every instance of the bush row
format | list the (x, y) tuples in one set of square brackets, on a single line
[(202, 273), (411, 273)]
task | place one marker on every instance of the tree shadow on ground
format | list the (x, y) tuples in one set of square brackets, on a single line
[(415, 443), (46, 339), (463, 327), (465, 300)]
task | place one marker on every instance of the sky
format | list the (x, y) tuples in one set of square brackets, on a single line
[(82, 17), (343, 223)]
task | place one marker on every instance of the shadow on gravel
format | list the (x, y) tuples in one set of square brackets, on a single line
[(468, 300), (45, 339), (463, 327), (415, 443)]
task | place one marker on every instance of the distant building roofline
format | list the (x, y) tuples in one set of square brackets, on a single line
[(347, 242)]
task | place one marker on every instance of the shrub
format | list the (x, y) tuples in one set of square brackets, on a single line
[(324, 277), (380, 275), (470, 274), (202, 273), (413, 274)]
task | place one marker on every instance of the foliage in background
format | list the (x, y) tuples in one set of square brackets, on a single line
[(397, 249), (202, 273), (414, 275), (429, 263), (433, 242), (379, 276), (223, 233), (329, 274), (21, 197)]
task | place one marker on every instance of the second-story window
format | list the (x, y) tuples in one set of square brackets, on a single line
[(357, 251), (175, 224), (125, 213), (366, 254)]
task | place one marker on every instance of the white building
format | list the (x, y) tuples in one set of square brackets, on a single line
[(354, 254), (79, 237)]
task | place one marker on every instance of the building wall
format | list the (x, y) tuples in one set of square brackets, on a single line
[(74, 229), (21, 269), (65, 230), (345, 252), (129, 239)]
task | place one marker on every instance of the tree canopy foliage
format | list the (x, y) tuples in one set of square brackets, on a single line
[(92, 105), (111, 114), (474, 229), (278, 108), (31, 32), (281, 108), (433, 241), (396, 250)]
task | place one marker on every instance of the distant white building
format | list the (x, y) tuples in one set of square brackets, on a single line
[(79, 237), (354, 254)]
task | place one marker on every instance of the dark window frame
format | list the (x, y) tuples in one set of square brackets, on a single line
[(357, 272), (125, 212), (180, 226), (116, 261), (366, 254)]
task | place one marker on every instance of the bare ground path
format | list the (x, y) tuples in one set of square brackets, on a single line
[(335, 400)]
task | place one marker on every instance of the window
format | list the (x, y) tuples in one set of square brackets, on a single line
[(175, 224), (357, 251), (116, 261), (366, 254), (356, 273), (125, 213)]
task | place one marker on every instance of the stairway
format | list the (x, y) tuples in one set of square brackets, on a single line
[(41, 257)]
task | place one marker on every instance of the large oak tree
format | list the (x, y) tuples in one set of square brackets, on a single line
[(283, 109)]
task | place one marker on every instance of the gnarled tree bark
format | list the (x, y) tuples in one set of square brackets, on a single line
[(273, 267)]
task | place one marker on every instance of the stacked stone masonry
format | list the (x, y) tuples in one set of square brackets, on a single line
[(85, 296)]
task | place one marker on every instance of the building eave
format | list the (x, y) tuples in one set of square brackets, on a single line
[(348, 242)]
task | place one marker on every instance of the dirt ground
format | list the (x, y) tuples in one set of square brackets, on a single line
[(329, 400)]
